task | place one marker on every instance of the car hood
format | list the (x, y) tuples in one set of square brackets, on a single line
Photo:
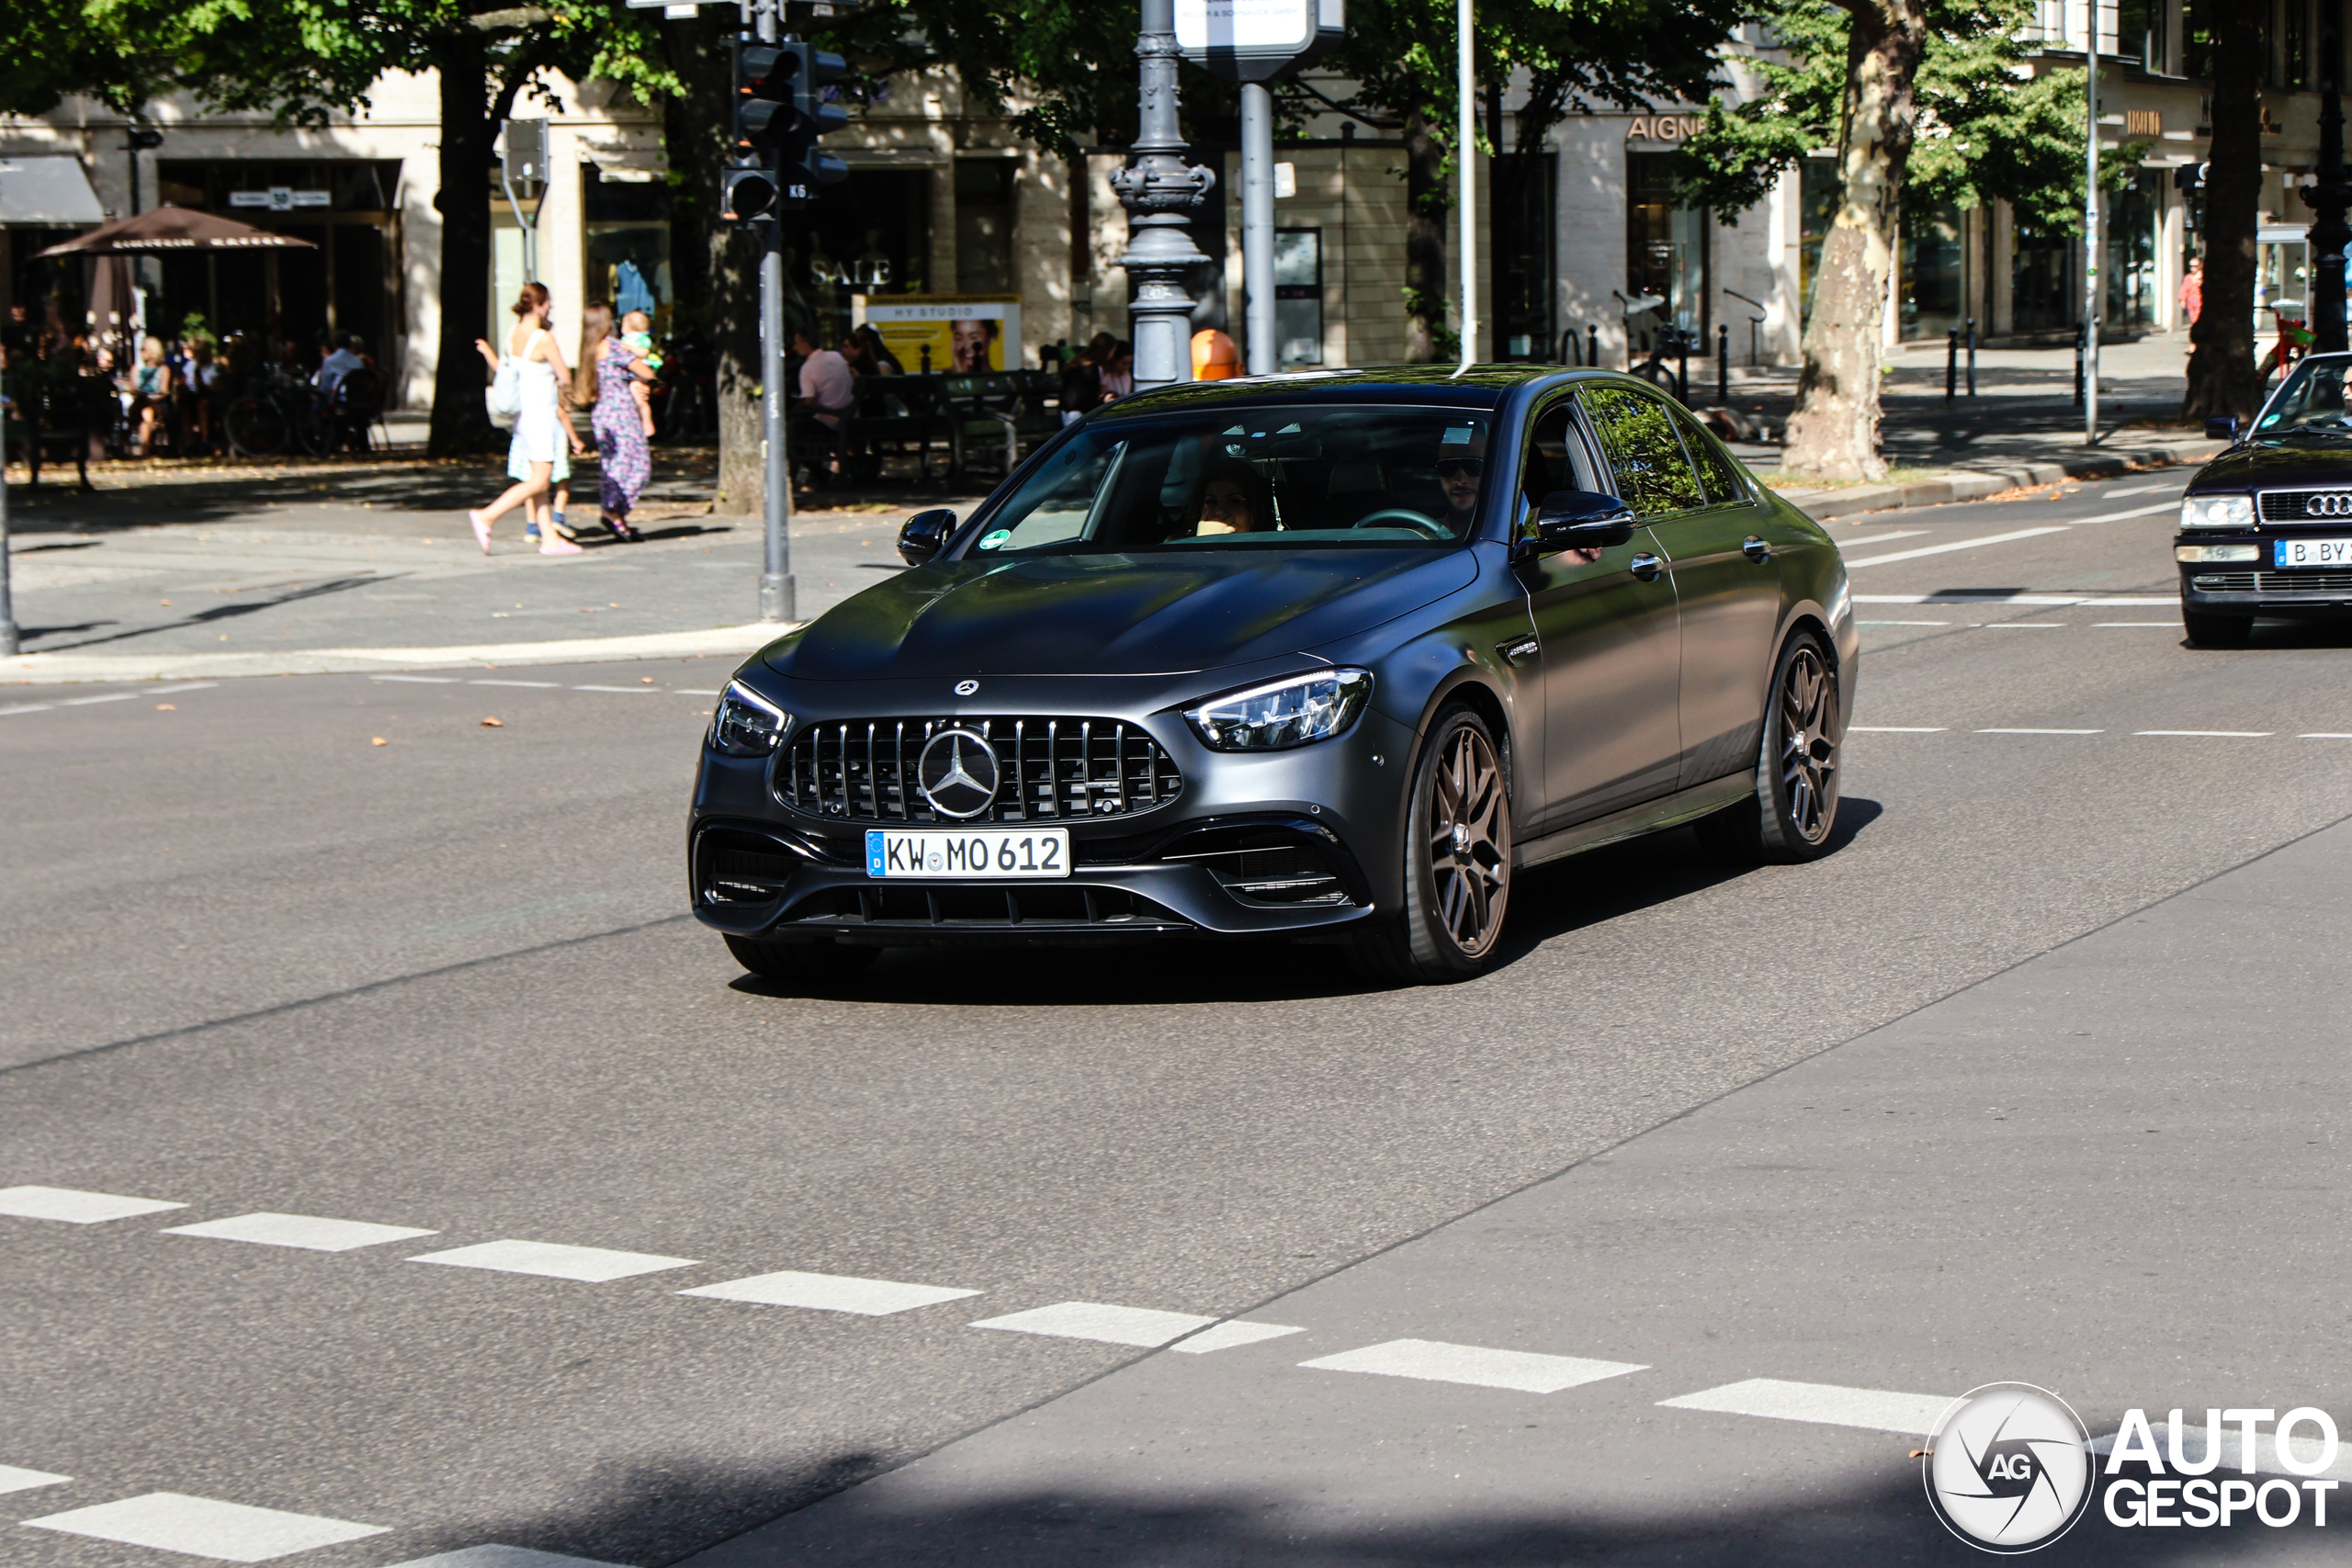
[(1114, 614), (2266, 465)]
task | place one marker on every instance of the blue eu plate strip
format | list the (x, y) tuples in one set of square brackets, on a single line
[(873, 852)]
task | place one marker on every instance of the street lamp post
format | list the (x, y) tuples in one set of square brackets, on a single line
[(2330, 196), (1158, 188), (2090, 228), (1465, 164)]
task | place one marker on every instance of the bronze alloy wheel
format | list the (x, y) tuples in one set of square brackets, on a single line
[(1469, 841), (1808, 745)]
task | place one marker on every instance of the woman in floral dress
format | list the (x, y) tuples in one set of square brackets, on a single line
[(624, 459)]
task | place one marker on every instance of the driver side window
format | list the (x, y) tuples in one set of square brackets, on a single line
[(1653, 474)]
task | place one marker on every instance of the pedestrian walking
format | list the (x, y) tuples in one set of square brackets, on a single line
[(541, 454), (2193, 291), (610, 370)]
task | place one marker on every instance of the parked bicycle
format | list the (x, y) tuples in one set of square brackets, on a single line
[(278, 415), (1644, 324)]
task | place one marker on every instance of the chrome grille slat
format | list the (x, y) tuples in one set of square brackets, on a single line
[(1052, 768), (2337, 583), (2295, 506)]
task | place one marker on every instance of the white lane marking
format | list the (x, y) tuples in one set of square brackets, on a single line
[(2041, 732), (694, 692), (2142, 489), (419, 680), (2324, 734), (549, 685), (24, 707), (1233, 1334), (590, 1265), (1896, 728), (1434, 1361), (202, 1527), (2024, 625), (109, 697), (74, 1207), (830, 1292), (1824, 1403), (1096, 1321), (13, 1479), (1884, 538), (495, 1556), (615, 688), (1961, 596), (2122, 516), (1958, 545), (2097, 625), (1904, 623), (2212, 734), (306, 1231)]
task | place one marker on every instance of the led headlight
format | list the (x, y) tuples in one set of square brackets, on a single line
[(1285, 714), (2217, 512), (745, 724)]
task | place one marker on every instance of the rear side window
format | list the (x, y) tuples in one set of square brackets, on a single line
[(1653, 477), (1716, 471)]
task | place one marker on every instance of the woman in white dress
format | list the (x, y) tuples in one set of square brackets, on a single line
[(539, 457)]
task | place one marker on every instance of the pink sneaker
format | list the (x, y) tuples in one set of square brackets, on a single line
[(560, 547), (481, 530)]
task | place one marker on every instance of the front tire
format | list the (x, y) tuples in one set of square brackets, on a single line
[(1788, 816), (2216, 631), (1457, 863), (802, 965)]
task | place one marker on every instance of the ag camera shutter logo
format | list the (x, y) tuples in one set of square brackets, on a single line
[(2008, 1468)]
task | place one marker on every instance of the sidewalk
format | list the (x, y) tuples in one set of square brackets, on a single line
[(196, 572)]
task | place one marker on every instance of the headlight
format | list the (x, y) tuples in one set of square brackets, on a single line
[(2194, 553), (1285, 714), (2217, 512), (745, 724)]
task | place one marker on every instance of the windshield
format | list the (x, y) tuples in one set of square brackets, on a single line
[(2312, 402), (1254, 477)]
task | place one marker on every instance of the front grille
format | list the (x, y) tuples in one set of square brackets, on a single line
[(2274, 582), (2295, 506), (1031, 905), (1051, 768)]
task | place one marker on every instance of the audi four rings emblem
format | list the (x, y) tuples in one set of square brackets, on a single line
[(957, 773), (965, 688), (2328, 503)]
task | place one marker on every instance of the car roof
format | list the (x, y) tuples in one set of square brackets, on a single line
[(1479, 387)]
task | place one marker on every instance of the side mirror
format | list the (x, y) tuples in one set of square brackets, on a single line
[(1580, 519), (923, 534), (2222, 428)]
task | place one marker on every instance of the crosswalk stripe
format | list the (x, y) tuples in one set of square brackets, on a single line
[(75, 1208), (1104, 1323), (830, 1292), (13, 1479), (204, 1526), (1433, 1360), (501, 1557), (304, 1231), (1823, 1403), (590, 1265), (1233, 1335)]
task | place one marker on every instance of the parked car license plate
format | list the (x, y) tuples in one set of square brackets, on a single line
[(2312, 552), (1031, 852)]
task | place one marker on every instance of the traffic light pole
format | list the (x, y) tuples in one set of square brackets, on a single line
[(776, 590)]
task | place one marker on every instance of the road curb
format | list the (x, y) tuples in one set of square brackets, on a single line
[(59, 669), (1975, 484)]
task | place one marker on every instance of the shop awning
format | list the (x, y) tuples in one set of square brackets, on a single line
[(49, 192)]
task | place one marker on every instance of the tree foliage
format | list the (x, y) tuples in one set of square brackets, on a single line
[(1985, 130)]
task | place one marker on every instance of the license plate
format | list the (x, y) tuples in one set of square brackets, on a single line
[(2312, 552), (1033, 851)]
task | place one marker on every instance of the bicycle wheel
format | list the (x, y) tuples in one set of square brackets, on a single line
[(256, 427)]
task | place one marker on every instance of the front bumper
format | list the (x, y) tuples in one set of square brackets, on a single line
[(2256, 587), (1300, 843)]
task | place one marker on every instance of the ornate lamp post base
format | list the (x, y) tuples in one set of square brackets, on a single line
[(1158, 189)]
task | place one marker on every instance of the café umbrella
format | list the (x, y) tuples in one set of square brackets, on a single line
[(162, 230)]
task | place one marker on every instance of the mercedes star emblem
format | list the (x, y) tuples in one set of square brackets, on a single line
[(957, 773), (965, 688)]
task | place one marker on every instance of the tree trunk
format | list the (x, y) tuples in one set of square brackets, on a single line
[(460, 422), (731, 252), (2220, 352), (1833, 433), (1425, 213)]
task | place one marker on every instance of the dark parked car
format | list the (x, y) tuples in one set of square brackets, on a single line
[(2266, 528), (1324, 657)]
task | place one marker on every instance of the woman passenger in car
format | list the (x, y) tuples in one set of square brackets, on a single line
[(1232, 501)]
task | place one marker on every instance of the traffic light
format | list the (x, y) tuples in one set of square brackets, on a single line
[(780, 111), (803, 166)]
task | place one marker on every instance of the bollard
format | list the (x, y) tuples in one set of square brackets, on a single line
[(2079, 364), (1592, 345), (1971, 356), (1722, 366), (1568, 346), (1951, 363), (1682, 369)]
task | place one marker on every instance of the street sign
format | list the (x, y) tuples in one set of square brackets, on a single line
[(1256, 41), (279, 198)]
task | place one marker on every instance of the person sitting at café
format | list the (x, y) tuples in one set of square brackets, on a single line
[(151, 394), (879, 360), (336, 366), (200, 380)]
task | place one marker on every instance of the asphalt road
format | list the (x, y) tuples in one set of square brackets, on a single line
[(2037, 1078)]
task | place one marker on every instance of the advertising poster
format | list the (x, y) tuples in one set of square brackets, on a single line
[(958, 335)]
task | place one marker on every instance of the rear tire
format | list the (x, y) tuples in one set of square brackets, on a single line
[(802, 964), (1789, 815), (1457, 863), (2216, 631)]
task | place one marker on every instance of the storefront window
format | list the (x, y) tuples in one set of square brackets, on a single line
[(1666, 244), (1525, 238), (2135, 218), (984, 226), (2043, 294), (625, 230), (1298, 296), (2139, 33), (292, 300), (871, 235), (1934, 272)]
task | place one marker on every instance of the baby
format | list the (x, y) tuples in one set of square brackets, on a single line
[(636, 336)]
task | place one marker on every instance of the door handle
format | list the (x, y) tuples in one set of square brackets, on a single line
[(1756, 549), (1645, 566)]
